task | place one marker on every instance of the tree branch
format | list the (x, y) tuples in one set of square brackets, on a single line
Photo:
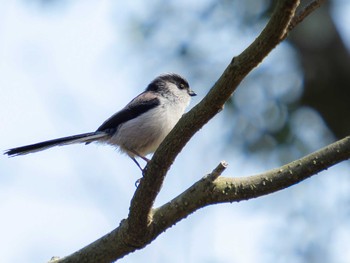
[(213, 189), (301, 15), (228, 189), (194, 120), (144, 224)]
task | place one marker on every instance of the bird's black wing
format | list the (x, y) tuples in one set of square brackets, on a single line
[(141, 104)]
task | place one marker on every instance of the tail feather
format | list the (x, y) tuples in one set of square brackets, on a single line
[(80, 138)]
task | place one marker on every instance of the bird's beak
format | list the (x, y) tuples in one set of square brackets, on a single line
[(191, 93)]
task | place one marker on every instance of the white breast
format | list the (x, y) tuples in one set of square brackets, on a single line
[(144, 133)]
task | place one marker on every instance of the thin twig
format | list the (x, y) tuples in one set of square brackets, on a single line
[(301, 15), (217, 171)]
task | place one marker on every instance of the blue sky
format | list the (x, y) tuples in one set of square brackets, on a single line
[(63, 71)]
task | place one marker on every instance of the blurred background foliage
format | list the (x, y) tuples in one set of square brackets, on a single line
[(295, 102), (304, 80)]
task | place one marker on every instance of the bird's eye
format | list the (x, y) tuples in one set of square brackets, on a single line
[(182, 86)]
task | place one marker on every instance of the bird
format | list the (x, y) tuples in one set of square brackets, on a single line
[(138, 128)]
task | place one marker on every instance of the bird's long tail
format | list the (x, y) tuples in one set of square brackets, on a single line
[(80, 138)]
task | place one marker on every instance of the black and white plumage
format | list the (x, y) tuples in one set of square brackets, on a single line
[(140, 127)]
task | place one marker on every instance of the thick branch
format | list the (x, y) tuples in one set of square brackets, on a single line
[(227, 189), (194, 120), (213, 189)]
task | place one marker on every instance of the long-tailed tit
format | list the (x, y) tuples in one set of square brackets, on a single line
[(140, 127)]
